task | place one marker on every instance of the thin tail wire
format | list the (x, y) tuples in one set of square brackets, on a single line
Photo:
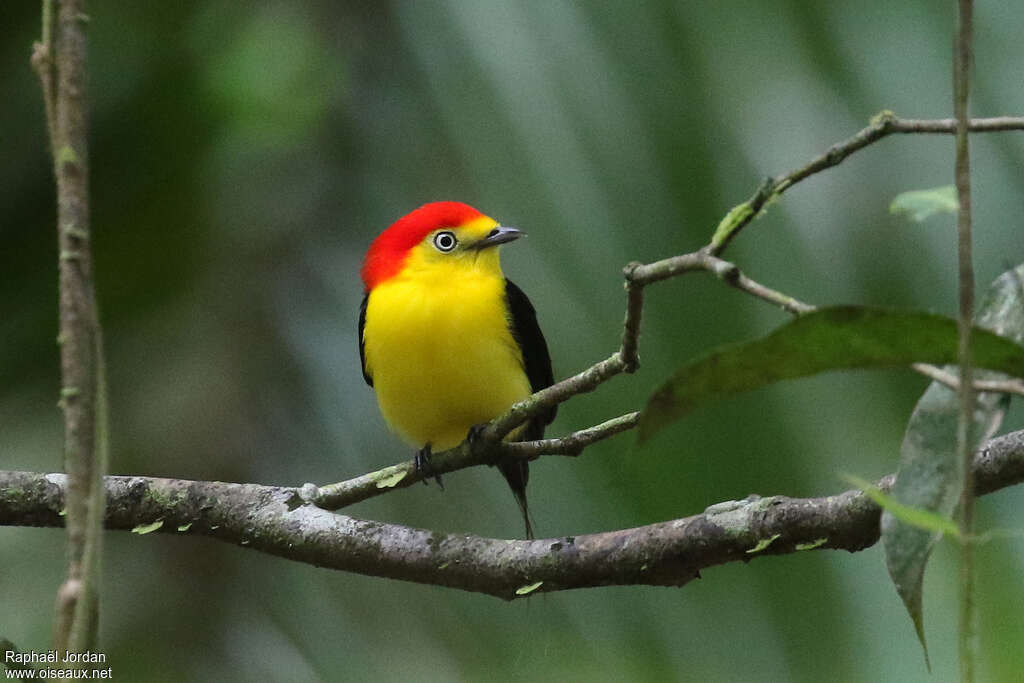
[(517, 474), (521, 500)]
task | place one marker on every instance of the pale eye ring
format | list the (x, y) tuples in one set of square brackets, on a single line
[(445, 241)]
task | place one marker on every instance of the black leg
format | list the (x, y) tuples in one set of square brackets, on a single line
[(475, 436), (422, 462), (476, 432)]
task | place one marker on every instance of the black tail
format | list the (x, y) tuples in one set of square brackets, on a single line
[(537, 364), (517, 473)]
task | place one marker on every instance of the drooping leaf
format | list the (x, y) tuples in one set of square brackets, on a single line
[(842, 337), (930, 475), (920, 205)]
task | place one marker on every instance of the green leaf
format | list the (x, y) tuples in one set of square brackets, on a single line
[(185, 527), (816, 543), (762, 544), (930, 475), (838, 338), (920, 205), (391, 480), (918, 517), (148, 528), (526, 590), (732, 220)]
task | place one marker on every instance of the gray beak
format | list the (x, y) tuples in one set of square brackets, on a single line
[(500, 235)]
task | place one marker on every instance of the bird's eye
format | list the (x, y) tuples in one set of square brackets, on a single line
[(445, 241)]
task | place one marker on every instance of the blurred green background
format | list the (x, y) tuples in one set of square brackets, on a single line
[(245, 154)]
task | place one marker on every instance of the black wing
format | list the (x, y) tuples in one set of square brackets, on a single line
[(537, 363), (362, 352), (536, 360)]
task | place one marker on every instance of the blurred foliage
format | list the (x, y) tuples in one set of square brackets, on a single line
[(245, 154), (920, 205), (832, 338), (930, 477)]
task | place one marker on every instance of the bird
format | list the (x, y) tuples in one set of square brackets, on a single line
[(446, 341)]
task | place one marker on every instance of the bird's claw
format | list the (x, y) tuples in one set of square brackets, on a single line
[(476, 433), (421, 461)]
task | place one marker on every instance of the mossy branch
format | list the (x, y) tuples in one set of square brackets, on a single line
[(276, 520)]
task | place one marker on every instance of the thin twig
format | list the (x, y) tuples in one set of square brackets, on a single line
[(580, 383), (45, 67), (274, 520), (993, 386), (631, 326), (643, 274), (882, 125), (405, 474), (571, 444), (60, 60), (638, 276), (732, 275), (995, 124), (965, 418)]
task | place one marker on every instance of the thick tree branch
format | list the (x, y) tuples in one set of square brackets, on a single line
[(275, 520)]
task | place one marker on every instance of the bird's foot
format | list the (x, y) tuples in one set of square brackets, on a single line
[(475, 437), (476, 433), (421, 461)]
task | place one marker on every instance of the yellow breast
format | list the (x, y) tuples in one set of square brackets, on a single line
[(441, 354)]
